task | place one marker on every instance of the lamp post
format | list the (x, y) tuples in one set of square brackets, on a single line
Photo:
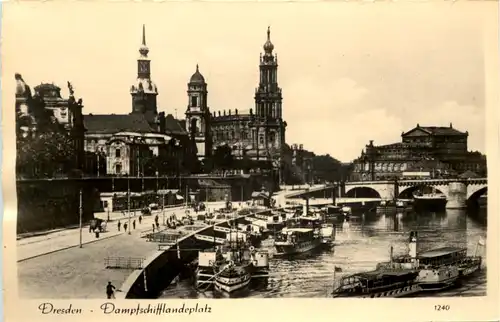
[(81, 215), (157, 180), (128, 204), (163, 206)]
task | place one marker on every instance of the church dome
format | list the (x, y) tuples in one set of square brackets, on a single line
[(144, 85), (197, 77)]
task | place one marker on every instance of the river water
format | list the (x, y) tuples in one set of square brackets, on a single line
[(361, 243)]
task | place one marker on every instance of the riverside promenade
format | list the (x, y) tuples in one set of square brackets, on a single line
[(54, 266)]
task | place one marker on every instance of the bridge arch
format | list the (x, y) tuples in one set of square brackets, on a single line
[(474, 197), (407, 192), (362, 192)]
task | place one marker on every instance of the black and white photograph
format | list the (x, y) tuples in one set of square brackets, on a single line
[(248, 150)]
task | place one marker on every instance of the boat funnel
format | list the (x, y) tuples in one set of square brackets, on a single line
[(412, 245)]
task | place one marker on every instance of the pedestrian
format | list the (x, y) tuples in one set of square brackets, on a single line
[(133, 224), (110, 290), (158, 226), (97, 231), (156, 218), (153, 228), (90, 228), (119, 225), (125, 225), (140, 219)]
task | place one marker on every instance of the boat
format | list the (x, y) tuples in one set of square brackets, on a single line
[(378, 283), (430, 201), (333, 210), (327, 233), (439, 268), (346, 210), (232, 277), (302, 234), (232, 266), (387, 280), (393, 206)]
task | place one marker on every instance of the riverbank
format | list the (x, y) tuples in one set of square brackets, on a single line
[(53, 266)]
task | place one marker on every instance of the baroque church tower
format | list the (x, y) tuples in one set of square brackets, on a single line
[(198, 115), (144, 91), (270, 129)]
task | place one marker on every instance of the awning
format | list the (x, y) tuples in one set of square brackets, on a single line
[(260, 195), (166, 191)]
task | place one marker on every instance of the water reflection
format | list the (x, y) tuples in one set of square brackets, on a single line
[(362, 240)]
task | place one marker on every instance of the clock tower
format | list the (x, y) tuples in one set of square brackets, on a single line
[(198, 115), (144, 91)]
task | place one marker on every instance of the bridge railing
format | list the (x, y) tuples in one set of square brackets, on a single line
[(124, 262)]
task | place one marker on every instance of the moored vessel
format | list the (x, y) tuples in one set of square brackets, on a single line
[(393, 206), (328, 233), (429, 201), (302, 234), (378, 283), (232, 266), (439, 268)]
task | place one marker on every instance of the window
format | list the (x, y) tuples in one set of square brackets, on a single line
[(117, 153), (194, 100), (194, 126), (273, 137), (261, 139), (118, 168)]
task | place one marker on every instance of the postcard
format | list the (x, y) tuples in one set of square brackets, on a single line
[(250, 160)]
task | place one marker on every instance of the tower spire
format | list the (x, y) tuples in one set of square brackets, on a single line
[(268, 46), (144, 50)]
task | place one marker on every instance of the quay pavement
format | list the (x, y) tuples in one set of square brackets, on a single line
[(54, 266)]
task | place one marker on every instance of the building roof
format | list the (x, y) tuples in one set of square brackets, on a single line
[(173, 126), (197, 77), (135, 122), (436, 130), (397, 145), (381, 273), (438, 252), (113, 123)]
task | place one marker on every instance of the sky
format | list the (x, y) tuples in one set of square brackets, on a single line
[(350, 72)]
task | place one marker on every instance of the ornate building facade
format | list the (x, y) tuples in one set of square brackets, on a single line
[(432, 151), (124, 141), (258, 134)]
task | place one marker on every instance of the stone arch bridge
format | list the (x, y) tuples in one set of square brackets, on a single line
[(459, 192)]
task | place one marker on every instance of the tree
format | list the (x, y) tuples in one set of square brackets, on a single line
[(207, 165), (47, 152), (223, 158), (327, 168)]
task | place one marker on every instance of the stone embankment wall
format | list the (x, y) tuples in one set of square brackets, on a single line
[(45, 204), (163, 266)]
